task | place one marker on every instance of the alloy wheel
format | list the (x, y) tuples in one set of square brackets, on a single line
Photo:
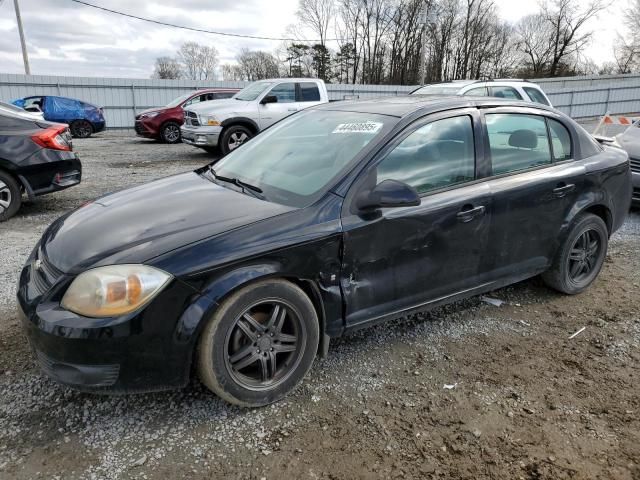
[(171, 133), (584, 255), (5, 197), (265, 344), (236, 139)]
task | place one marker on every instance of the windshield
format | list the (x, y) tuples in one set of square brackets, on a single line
[(294, 161), (438, 90), (252, 91), (178, 101)]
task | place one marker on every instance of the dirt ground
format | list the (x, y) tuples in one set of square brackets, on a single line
[(469, 391)]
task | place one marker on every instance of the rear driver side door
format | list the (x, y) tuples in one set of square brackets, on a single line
[(398, 258)]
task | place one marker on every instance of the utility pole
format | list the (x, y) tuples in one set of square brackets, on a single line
[(25, 56)]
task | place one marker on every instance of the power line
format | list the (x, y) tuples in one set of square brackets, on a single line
[(212, 32)]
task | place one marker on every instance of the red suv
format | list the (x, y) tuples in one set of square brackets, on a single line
[(164, 123)]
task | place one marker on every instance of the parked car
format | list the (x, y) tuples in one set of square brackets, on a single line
[(334, 219), (36, 157), (164, 123), (507, 88), (10, 108), (227, 124), (629, 141), (83, 118)]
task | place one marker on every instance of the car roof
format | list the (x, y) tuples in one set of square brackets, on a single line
[(402, 106)]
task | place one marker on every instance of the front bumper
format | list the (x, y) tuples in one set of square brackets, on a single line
[(145, 129), (203, 136), (146, 351)]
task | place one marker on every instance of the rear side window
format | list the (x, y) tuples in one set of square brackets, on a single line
[(436, 155), (477, 92), (309, 92), (505, 92), (517, 142), (560, 141), (220, 95), (536, 96)]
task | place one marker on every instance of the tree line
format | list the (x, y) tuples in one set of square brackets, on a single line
[(408, 42)]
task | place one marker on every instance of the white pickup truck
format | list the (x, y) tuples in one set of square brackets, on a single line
[(227, 124)]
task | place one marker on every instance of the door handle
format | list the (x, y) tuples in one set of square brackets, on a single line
[(563, 189), (468, 213)]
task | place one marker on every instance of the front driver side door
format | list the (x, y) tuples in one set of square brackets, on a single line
[(399, 258), (271, 113)]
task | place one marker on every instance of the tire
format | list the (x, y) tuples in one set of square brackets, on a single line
[(232, 137), (10, 196), (170, 133), (235, 354), (81, 128), (580, 257)]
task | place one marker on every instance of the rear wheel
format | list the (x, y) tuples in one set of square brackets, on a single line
[(233, 137), (81, 129), (581, 256), (170, 132), (259, 344), (10, 196)]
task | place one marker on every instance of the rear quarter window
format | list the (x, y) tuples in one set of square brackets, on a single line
[(560, 141), (536, 96)]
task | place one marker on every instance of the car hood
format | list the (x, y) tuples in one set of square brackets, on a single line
[(138, 224), (227, 105), (159, 109), (630, 141)]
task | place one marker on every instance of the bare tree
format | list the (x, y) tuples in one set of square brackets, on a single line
[(257, 65), (167, 68), (317, 15), (231, 73), (199, 62)]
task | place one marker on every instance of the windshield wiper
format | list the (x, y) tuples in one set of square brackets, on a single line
[(239, 183)]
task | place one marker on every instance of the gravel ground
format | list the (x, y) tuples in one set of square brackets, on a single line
[(466, 391)]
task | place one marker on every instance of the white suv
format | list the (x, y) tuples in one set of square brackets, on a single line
[(512, 89)]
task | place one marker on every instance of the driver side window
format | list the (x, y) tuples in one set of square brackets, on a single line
[(436, 155), (285, 92)]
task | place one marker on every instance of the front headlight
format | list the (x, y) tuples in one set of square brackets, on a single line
[(150, 115), (210, 120), (114, 290)]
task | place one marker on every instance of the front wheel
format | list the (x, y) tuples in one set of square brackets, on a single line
[(81, 129), (233, 137), (170, 132), (259, 344), (581, 256)]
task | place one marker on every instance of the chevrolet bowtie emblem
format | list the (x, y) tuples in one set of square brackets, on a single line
[(37, 264)]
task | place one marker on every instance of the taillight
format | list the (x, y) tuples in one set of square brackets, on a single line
[(56, 137)]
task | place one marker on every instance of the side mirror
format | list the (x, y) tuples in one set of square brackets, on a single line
[(388, 194), (269, 99)]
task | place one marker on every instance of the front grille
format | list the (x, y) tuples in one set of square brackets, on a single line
[(78, 375), (139, 128), (635, 165), (43, 273), (191, 118), (636, 194)]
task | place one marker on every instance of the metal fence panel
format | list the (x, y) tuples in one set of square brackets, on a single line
[(122, 98)]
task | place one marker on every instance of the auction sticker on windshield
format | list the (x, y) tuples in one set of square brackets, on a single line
[(359, 127)]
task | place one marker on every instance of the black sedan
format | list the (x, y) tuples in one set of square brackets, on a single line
[(336, 218), (36, 157)]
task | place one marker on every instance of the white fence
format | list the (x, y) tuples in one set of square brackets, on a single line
[(580, 97)]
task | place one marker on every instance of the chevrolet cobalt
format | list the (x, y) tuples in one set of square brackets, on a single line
[(333, 219)]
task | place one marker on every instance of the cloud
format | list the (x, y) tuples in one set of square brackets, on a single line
[(66, 38)]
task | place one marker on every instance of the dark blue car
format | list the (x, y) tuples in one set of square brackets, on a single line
[(83, 118)]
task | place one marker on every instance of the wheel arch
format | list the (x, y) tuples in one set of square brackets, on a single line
[(243, 121), (195, 317)]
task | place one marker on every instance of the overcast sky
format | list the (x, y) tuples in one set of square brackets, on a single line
[(65, 38)]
